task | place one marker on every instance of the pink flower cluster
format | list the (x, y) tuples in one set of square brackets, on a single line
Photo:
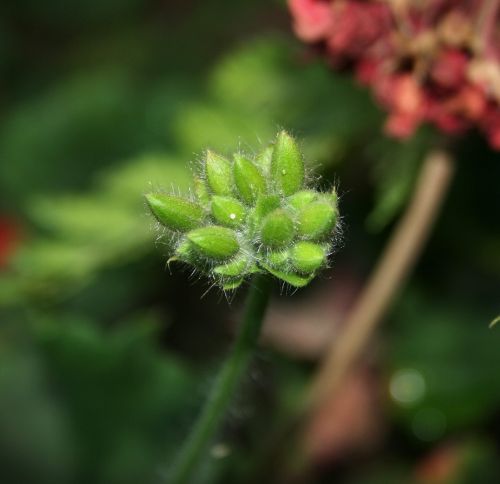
[(432, 61)]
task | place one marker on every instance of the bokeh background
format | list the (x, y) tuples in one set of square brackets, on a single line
[(106, 355)]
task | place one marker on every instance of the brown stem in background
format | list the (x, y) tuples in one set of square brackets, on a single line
[(387, 279)]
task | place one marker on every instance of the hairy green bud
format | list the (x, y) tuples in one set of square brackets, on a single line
[(277, 229), (175, 213), (251, 215), (214, 242), (287, 166), (307, 257), (264, 159), (228, 211), (278, 259), (301, 199), (292, 278), (219, 174), (316, 220), (200, 190), (237, 267), (249, 180)]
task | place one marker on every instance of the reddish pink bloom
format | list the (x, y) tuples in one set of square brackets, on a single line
[(313, 19), (436, 61), (449, 69)]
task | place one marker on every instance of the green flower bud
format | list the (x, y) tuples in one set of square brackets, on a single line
[(251, 215), (248, 179), (295, 280), (183, 251), (301, 199), (219, 174), (287, 166), (264, 158), (307, 257), (277, 229), (316, 220), (200, 190), (235, 268), (232, 284), (175, 213), (278, 259), (330, 198), (266, 204), (214, 242), (228, 211)]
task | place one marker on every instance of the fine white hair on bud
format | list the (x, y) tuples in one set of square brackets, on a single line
[(250, 215)]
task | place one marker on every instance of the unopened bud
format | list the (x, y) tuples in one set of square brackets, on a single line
[(219, 174), (307, 257), (228, 211), (316, 220), (287, 166), (249, 180), (301, 199), (277, 229), (214, 242), (234, 268), (264, 158), (278, 259), (175, 213)]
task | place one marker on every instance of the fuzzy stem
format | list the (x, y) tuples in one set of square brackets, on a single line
[(226, 383)]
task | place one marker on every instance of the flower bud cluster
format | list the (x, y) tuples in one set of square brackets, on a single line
[(436, 61), (251, 215)]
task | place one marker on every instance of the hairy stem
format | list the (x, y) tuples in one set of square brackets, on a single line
[(226, 383), (389, 275)]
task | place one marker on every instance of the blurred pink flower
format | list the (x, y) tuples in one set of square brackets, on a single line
[(434, 61)]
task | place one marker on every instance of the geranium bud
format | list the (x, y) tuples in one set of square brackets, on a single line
[(232, 284), (200, 190), (214, 242), (302, 198), (307, 257), (278, 259), (287, 166), (175, 213), (251, 215), (219, 174), (264, 158), (316, 220), (228, 211), (235, 268), (249, 180), (183, 251), (265, 204), (295, 280), (277, 229)]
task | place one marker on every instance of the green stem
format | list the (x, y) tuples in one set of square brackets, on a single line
[(226, 382)]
